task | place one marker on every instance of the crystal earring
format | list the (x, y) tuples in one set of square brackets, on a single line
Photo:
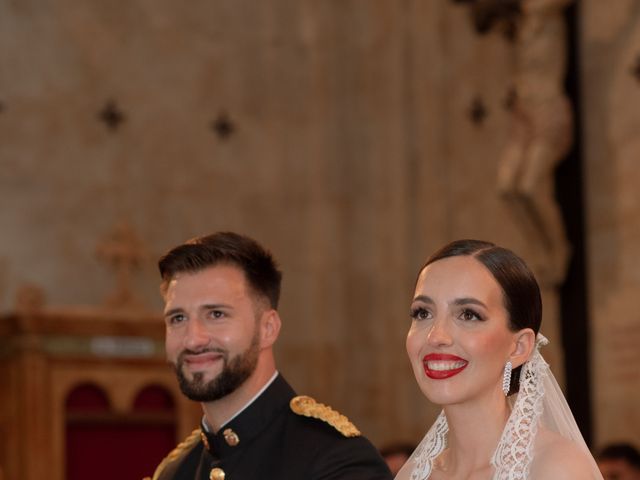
[(506, 378)]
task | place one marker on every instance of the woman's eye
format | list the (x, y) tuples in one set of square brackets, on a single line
[(420, 314), (469, 315)]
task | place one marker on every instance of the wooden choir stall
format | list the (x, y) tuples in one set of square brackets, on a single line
[(86, 392)]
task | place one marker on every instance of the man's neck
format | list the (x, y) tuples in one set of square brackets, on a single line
[(222, 411)]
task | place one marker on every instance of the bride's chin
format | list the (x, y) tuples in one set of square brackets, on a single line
[(440, 396)]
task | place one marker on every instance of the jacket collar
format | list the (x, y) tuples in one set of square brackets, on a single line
[(250, 422)]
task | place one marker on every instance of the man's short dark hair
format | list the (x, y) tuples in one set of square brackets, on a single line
[(621, 451), (227, 248)]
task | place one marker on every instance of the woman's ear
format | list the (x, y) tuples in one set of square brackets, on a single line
[(269, 328), (524, 343)]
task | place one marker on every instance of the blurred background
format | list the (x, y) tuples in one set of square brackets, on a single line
[(350, 137)]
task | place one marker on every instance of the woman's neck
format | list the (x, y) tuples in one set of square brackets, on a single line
[(474, 432)]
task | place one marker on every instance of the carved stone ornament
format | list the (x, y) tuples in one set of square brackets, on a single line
[(111, 115), (223, 125)]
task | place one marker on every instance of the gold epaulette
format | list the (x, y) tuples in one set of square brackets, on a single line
[(191, 440), (307, 406)]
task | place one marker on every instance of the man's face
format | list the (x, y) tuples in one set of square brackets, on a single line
[(618, 469), (212, 334)]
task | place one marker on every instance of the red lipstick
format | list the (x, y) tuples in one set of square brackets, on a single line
[(439, 366)]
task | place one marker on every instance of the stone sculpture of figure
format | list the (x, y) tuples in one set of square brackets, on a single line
[(542, 133)]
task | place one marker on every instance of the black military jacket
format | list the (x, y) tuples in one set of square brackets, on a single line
[(269, 441)]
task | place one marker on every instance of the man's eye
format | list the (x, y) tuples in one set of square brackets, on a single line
[(176, 319), (217, 313)]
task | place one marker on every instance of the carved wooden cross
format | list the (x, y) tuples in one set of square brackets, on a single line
[(124, 252)]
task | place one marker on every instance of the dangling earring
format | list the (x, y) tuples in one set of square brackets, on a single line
[(506, 378)]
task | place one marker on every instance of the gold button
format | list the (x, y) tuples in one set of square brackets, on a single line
[(216, 474), (231, 437)]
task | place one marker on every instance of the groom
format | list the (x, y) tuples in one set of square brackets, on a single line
[(221, 296)]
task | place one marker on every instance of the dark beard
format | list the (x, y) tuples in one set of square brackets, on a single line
[(235, 372)]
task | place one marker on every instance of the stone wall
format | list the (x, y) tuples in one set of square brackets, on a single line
[(353, 138)]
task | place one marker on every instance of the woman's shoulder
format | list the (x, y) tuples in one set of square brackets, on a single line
[(559, 458)]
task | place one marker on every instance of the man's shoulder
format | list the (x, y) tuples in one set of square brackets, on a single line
[(301, 414), (329, 444), (316, 416), (176, 455)]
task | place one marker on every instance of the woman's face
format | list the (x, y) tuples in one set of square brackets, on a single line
[(459, 339)]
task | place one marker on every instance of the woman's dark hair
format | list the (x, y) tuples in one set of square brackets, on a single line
[(228, 248), (520, 290)]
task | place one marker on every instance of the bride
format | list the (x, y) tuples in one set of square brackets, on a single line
[(473, 345)]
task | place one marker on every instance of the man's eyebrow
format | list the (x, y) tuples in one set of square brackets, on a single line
[(467, 301), (206, 306), (213, 306)]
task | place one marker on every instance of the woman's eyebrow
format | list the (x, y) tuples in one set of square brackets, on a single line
[(424, 298), (467, 301)]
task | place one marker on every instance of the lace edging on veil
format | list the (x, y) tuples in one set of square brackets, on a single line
[(514, 453)]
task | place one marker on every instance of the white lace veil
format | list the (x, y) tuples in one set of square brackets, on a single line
[(540, 402)]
